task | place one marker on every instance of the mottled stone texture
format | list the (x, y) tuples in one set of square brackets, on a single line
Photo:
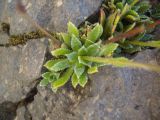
[(113, 94), (19, 67), (51, 14)]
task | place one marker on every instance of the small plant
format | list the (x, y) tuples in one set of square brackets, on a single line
[(120, 16), (69, 62), (81, 53), (123, 15)]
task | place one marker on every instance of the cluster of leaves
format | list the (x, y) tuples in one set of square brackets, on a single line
[(119, 16), (69, 62), (82, 51)]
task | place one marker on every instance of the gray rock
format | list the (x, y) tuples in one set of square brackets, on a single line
[(113, 94), (51, 14), (19, 67)]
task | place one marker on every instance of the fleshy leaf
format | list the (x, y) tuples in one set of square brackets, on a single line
[(54, 77), (108, 49), (44, 82), (60, 51), (46, 75), (133, 13), (119, 5), (66, 39), (49, 64), (95, 33), (79, 69), (102, 17), (93, 49), (74, 80), (61, 65), (125, 10), (84, 62), (131, 18), (92, 70), (116, 21), (75, 43), (83, 80), (82, 51), (72, 57), (63, 79), (111, 24), (72, 29)]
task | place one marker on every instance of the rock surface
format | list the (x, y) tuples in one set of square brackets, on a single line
[(19, 67), (113, 94), (51, 14)]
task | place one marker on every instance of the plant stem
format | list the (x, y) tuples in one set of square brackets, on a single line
[(122, 63)]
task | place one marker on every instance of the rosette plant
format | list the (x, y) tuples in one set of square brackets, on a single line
[(123, 15), (120, 16), (69, 62), (80, 54)]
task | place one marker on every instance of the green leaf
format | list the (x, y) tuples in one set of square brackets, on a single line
[(131, 18), (72, 57), (134, 2), (95, 33), (119, 5), (63, 79), (83, 79), (84, 62), (116, 21), (60, 51), (75, 43), (111, 23), (50, 76), (66, 39), (44, 82), (149, 43), (108, 49), (72, 29), (46, 75), (74, 80), (49, 64), (82, 51), (129, 27), (125, 9), (54, 76), (102, 17), (93, 49), (133, 13), (79, 69), (92, 70), (61, 65)]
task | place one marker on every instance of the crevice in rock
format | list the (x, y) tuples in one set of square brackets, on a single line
[(8, 108)]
